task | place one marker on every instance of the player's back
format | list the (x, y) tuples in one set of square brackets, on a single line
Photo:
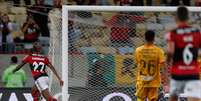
[(148, 58), (37, 64), (187, 41)]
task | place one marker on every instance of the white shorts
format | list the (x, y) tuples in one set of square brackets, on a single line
[(42, 83), (190, 88)]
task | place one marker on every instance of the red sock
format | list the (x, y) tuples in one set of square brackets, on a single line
[(35, 99), (35, 95), (52, 99)]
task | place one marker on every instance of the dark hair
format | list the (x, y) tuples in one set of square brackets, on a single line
[(14, 59), (149, 36), (182, 13), (37, 48)]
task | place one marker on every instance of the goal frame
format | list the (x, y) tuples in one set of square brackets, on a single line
[(66, 8)]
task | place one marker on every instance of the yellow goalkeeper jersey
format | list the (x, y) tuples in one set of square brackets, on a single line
[(149, 59), (199, 60)]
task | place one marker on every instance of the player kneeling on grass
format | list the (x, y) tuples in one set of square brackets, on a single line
[(38, 63), (149, 59)]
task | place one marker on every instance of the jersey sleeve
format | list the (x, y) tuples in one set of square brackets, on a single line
[(26, 59), (136, 56), (47, 61)]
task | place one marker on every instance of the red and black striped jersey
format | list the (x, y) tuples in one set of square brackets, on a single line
[(187, 41), (37, 64)]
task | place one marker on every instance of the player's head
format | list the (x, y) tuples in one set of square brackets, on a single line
[(13, 59), (149, 36), (182, 14), (37, 48), (57, 3)]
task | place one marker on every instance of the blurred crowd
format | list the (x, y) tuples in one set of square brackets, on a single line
[(136, 2), (17, 36)]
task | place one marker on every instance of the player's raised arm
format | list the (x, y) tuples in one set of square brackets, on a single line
[(19, 67), (55, 72), (24, 61)]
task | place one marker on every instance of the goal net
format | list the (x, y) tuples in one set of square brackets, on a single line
[(97, 44)]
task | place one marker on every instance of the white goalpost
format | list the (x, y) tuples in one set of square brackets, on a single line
[(65, 54), (77, 63)]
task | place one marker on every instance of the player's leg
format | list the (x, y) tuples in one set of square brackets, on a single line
[(152, 94), (46, 94), (140, 93), (42, 84), (193, 92), (161, 93), (173, 98), (176, 87), (35, 93)]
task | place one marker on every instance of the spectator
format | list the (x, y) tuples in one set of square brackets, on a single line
[(17, 79), (92, 2), (103, 2), (180, 2), (197, 2), (85, 2), (17, 2), (123, 2), (39, 11), (80, 2), (96, 76), (7, 39), (31, 30), (126, 50), (57, 4), (129, 2), (122, 28), (74, 34), (128, 67)]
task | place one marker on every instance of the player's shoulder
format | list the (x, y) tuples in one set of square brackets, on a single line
[(26, 56), (139, 48), (187, 28), (158, 48)]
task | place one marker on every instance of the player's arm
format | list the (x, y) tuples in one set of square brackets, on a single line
[(170, 51), (199, 51), (19, 67), (24, 61), (169, 37), (55, 72)]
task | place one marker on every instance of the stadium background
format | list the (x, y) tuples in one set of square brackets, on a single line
[(85, 50)]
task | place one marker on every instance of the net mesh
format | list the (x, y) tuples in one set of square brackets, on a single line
[(101, 46), (55, 27)]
